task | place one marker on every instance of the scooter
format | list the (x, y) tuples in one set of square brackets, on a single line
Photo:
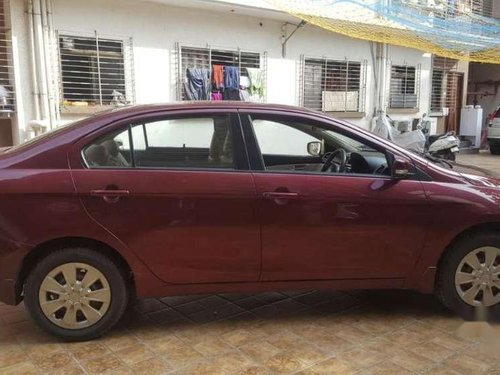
[(444, 146)]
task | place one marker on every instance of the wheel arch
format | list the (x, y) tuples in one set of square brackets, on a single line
[(43, 249), (484, 227)]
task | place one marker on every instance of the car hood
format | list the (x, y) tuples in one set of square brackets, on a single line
[(478, 176)]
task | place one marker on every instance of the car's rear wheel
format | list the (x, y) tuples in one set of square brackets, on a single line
[(76, 293), (469, 277)]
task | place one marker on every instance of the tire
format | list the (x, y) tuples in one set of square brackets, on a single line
[(450, 155), (445, 283), (495, 148), (111, 285)]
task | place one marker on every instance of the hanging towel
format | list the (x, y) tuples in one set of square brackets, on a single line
[(197, 86), (256, 81), (232, 77), (218, 76)]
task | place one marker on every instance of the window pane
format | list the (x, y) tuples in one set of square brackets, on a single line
[(186, 143), (110, 151), (275, 138)]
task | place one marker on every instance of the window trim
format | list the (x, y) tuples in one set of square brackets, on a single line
[(240, 153)]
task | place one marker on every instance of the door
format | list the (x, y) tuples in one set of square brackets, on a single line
[(177, 191), (454, 98), (351, 221)]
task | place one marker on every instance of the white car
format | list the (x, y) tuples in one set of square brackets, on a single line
[(494, 133)]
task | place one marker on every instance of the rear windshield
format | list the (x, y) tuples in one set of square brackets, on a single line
[(497, 115)]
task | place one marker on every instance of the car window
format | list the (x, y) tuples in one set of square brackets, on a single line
[(276, 139), (200, 142), (110, 151), (285, 146)]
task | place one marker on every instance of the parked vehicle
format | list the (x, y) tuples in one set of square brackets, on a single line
[(445, 146), (217, 197), (494, 133)]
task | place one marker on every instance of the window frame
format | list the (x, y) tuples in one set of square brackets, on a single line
[(324, 62), (240, 155), (392, 95), (256, 157), (127, 83)]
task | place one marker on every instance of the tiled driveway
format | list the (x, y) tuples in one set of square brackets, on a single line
[(372, 332)]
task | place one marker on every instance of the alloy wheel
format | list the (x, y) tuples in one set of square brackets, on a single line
[(477, 278), (74, 296)]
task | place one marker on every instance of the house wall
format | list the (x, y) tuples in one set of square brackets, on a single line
[(155, 28)]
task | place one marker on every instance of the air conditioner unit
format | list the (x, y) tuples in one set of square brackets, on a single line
[(340, 101)]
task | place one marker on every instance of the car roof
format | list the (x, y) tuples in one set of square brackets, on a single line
[(182, 105)]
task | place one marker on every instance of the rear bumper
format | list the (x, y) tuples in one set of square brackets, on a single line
[(8, 294), (494, 134)]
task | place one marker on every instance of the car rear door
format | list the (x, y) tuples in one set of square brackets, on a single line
[(177, 192), (331, 225)]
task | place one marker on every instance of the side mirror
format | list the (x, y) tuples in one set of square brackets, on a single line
[(401, 169), (314, 148)]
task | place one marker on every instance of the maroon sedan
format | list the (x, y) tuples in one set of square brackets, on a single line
[(161, 200)]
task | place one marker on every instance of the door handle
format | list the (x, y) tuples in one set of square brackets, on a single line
[(110, 195), (280, 195)]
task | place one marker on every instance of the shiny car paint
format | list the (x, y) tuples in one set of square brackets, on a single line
[(199, 231)]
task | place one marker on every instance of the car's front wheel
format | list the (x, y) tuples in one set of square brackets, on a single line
[(76, 293), (469, 277)]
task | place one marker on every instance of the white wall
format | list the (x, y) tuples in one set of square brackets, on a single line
[(155, 28)]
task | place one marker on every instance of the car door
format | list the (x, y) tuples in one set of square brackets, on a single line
[(324, 225), (176, 189)]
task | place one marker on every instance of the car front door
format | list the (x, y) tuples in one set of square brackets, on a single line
[(355, 224), (176, 189)]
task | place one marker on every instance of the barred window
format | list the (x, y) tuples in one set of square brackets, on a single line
[(333, 86), (7, 95), (93, 71), (404, 87), (206, 58), (444, 83)]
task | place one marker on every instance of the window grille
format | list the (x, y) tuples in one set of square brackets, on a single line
[(95, 70), (7, 90), (205, 58), (404, 87), (333, 85), (444, 83)]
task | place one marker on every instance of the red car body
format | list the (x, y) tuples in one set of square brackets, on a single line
[(188, 231)]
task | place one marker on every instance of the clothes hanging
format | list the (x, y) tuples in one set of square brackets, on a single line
[(197, 86), (218, 76), (231, 94), (217, 96), (231, 77), (256, 81)]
